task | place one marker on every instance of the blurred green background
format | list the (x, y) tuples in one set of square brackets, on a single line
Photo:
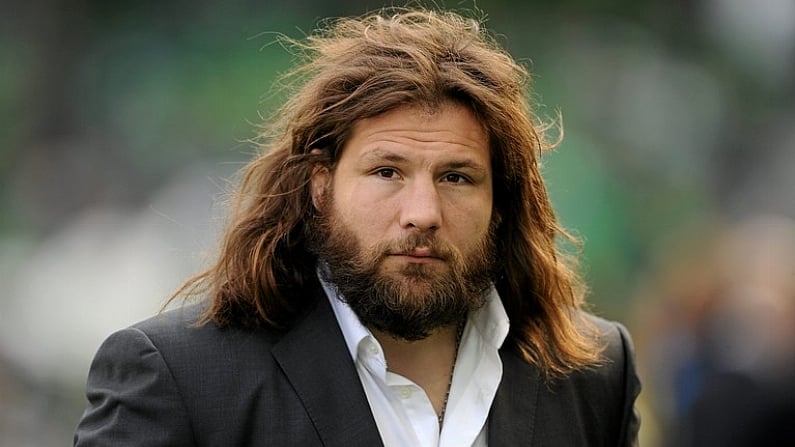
[(121, 123)]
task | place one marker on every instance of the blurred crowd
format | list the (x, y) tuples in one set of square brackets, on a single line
[(715, 329), (121, 123)]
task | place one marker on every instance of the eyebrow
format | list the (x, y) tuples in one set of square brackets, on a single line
[(465, 164), (383, 154), (379, 154)]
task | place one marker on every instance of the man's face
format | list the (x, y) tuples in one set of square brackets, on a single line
[(406, 219)]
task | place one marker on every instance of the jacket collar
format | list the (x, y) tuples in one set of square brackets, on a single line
[(315, 359), (513, 413)]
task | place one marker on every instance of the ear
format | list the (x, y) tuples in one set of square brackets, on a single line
[(319, 182)]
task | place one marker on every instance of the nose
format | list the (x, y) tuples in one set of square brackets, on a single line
[(421, 206)]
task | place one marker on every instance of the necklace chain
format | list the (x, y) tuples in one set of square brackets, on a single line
[(459, 333)]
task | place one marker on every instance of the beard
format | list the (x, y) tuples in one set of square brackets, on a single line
[(411, 300)]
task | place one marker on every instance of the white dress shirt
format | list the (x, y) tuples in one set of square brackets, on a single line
[(403, 413)]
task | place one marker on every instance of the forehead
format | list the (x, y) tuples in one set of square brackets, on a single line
[(447, 126)]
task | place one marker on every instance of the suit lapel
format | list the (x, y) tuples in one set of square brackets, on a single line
[(317, 363), (513, 413)]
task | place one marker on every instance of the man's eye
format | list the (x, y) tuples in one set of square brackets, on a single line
[(455, 178), (386, 173)]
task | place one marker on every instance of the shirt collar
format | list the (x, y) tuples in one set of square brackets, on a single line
[(352, 329), (491, 320)]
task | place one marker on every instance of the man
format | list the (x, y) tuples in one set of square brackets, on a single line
[(389, 274)]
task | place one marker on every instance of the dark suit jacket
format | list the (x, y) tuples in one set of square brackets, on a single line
[(167, 382)]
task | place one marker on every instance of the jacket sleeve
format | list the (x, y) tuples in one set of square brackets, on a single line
[(132, 397), (630, 424)]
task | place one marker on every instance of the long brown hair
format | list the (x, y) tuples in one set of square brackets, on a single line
[(356, 68)]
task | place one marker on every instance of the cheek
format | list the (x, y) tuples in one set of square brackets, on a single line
[(469, 225), (367, 219), (373, 205)]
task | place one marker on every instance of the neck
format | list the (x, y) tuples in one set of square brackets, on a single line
[(428, 362)]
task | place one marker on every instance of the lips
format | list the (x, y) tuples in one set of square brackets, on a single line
[(420, 253)]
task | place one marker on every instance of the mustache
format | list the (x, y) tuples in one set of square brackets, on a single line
[(425, 243)]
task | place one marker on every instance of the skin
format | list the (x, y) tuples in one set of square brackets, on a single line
[(411, 170)]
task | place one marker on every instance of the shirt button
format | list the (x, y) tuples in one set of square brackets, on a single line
[(405, 392), (373, 349)]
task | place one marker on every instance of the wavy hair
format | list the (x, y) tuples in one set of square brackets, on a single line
[(355, 68)]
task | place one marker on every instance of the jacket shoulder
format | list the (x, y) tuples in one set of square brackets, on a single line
[(615, 340), (612, 386), (171, 321), (182, 325)]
